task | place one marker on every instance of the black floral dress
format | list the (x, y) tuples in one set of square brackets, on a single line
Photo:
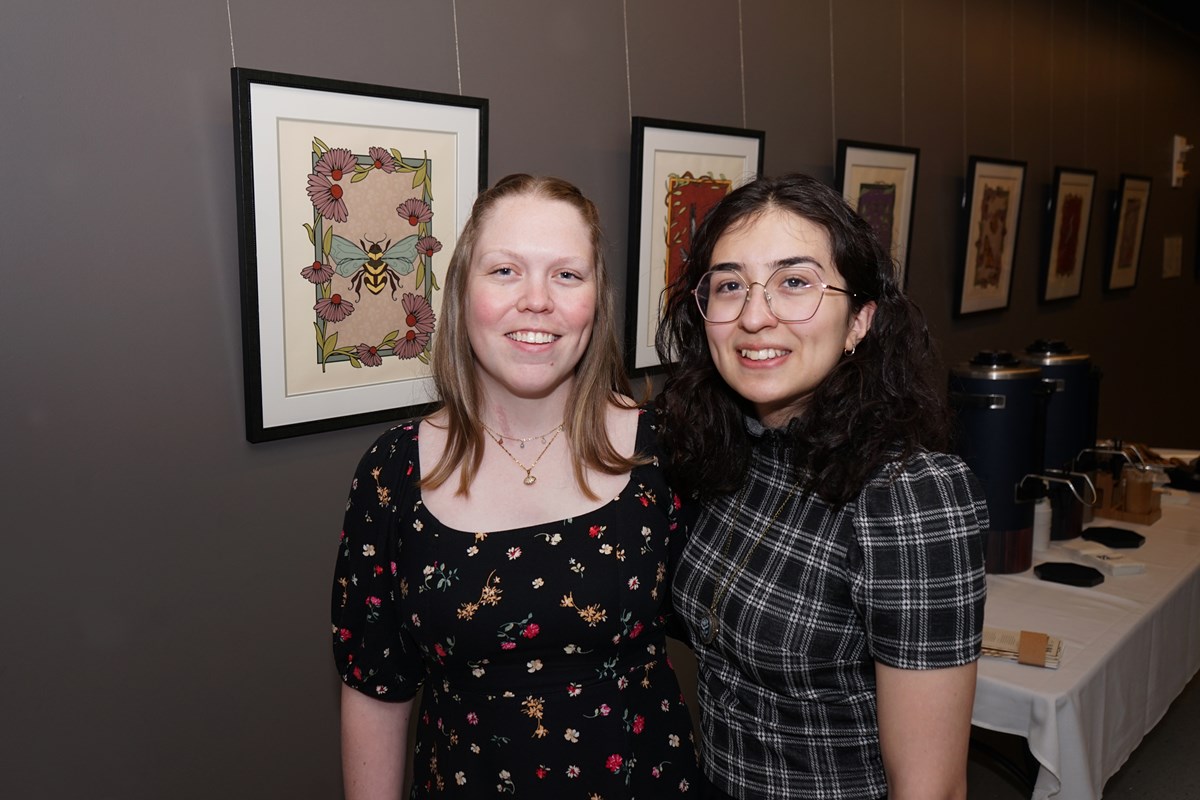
[(541, 649)]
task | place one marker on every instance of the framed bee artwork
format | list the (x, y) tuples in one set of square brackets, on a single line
[(678, 172), (350, 197)]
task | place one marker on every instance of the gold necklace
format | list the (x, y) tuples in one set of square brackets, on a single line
[(530, 478), (710, 625), (500, 439)]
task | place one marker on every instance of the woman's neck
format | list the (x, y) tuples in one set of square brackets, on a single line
[(521, 417)]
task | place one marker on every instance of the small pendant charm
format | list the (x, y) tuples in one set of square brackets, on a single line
[(530, 480), (522, 444), (708, 627)]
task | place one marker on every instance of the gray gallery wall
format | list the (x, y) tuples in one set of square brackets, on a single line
[(165, 580)]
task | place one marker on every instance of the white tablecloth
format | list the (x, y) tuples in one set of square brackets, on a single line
[(1130, 645)]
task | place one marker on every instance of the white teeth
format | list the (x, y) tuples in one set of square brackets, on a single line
[(762, 355), (532, 337)]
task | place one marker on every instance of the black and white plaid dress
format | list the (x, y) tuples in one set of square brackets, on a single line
[(787, 690)]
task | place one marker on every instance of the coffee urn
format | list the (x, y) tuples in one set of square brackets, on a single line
[(1071, 414), (1000, 404)]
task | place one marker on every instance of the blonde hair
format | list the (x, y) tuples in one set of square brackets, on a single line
[(600, 379)]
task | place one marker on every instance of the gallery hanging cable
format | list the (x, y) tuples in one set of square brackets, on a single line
[(1012, 82), (628, 85), (229, 15), (832, 86), (903, 98), (742, 61), (457, 58)]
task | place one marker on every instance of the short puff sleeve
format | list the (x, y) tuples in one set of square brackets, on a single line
[(919, 584), (372, 647)]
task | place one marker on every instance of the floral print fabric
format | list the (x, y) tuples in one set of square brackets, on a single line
[(541, 650)]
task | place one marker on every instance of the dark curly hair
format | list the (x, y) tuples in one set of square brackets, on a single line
[(880, 403)]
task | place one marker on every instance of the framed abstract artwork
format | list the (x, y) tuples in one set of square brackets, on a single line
[(1070, 212), (1128, 226), (992, 206), (678, 172), (880, 183), (350, 197)]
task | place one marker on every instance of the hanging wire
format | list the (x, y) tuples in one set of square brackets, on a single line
[(742, 60), (903, 97), (628, 81), (1012, 83), (832, 85), (964, 95), (457, 56), (1053, 74), (229, 15)]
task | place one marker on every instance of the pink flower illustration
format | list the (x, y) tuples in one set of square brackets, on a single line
[(639, 723), (508, 645), (317, 272), (335, 163), (614, 763), (415, 211), (531, 630), (418, 313), (334, 308), (368, 354), (420, 320), (382, 159), (428, 245), (326, 196)]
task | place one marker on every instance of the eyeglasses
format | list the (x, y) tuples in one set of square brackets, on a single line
[(793, 294)]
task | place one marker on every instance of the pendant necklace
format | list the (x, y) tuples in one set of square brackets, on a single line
[(710, 625), (530, 478)]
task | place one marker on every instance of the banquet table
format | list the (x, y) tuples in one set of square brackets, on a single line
[(1130, 646)]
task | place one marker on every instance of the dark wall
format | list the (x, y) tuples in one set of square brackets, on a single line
[(166, 581)]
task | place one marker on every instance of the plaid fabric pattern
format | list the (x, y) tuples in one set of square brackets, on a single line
[(787, 691)]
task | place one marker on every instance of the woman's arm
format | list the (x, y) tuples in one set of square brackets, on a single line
[(924, 730), (374, 746)]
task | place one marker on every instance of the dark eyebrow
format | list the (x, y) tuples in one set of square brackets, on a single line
[(793, 261)]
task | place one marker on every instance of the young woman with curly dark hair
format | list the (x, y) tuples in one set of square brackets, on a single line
[(833, 584)]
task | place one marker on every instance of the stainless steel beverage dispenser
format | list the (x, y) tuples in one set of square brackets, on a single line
[(1001, 408)]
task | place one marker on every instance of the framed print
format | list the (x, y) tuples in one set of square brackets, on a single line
[(350, 198), (1128, 224), (1070, 210), (678, 172), (880, 182), (992, 202)]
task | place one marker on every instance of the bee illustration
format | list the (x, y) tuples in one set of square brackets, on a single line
[(372, 264)]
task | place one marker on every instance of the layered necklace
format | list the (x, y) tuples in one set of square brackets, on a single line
[(530, 478), (710, 625)]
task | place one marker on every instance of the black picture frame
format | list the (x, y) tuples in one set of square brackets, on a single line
[(674, 164), (880, 182), (1127, 232), (1069, 215), (345, 190), (992, 214)]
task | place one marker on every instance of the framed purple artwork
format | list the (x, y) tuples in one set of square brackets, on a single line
[(880, 183)]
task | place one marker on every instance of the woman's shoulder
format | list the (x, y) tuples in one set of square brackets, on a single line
[(397, 444), (928, 470)]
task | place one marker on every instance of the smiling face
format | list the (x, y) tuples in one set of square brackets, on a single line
[(774, 365), (530, 297)]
